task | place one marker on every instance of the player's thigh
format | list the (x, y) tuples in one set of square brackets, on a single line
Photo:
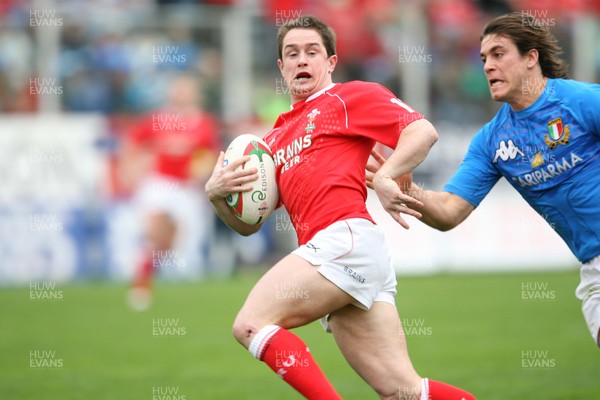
[(373, 342), (291, 294), (161, 229)]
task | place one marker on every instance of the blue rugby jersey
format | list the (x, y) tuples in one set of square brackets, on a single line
[(550, 153)]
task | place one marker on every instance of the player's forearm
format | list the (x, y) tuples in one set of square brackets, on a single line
[(226, 214), (413, 146), (441, 210), (432, 210)]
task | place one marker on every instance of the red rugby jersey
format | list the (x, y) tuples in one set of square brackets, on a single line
[(321, 148), (175, 138)]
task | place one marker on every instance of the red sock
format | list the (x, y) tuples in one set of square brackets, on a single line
[(287, 355), (443, 391), (144, 273)]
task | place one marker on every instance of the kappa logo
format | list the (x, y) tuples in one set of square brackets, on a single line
[(507, 151)]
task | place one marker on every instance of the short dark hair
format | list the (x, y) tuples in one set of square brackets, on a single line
[(308, 22), (529, 33)]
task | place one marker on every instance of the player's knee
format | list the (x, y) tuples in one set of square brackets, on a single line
[(243, 331), (239, 331)]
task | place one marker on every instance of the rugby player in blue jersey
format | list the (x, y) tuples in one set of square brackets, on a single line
[(545, 140)]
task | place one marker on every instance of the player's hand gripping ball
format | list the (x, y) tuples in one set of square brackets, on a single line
[(255, 206)]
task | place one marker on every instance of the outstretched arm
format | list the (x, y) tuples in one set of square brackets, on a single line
[(413, 146), (225, 181), (440, 210)]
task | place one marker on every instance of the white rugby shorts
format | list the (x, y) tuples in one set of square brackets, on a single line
[(352, 254), (588, 292)]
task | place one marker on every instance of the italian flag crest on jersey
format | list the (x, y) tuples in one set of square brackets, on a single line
[(555, 129), (557, 133)]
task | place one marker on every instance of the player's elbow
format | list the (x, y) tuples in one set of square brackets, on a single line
[(445, 226), (249, 232), (451, 218), (439, 222), (431, 134), (426, 132)]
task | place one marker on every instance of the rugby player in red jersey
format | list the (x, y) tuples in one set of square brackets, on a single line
[(341, 268), (181, 141)]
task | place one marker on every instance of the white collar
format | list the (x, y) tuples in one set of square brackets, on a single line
[(320, 92), (317, 94)]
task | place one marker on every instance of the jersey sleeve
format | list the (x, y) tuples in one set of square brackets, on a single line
[(376, 113), (589, 101), (476, 175)]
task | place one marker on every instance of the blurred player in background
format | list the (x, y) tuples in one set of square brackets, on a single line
[(341, 273), (171, 152), (545, 141)]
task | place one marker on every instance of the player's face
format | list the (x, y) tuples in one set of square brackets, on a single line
[(507, 71), (304, 64)]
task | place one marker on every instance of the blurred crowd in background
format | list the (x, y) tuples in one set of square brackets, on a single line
[(103, 65), (121, 59)]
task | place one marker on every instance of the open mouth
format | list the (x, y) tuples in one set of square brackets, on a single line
[(495, 82), (302, 77)]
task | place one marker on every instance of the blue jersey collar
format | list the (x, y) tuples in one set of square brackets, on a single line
[(527, 112)]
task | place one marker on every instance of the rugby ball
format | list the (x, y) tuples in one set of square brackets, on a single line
[(255, 206)]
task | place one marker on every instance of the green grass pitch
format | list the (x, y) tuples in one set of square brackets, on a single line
[(501, 336)]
